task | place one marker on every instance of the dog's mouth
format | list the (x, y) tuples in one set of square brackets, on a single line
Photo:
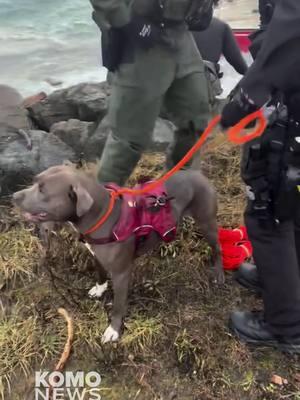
[(39, 217)]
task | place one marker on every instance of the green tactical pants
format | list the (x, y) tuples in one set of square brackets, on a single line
[(160, 76)]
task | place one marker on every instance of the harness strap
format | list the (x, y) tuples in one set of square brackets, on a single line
[(99, 241)]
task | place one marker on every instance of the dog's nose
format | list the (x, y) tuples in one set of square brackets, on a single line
[(18, 197)]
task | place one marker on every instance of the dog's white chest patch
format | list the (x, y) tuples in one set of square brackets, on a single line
[(110, 335), (98, 290)]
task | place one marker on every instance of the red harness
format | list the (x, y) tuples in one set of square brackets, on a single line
[(141, 215)]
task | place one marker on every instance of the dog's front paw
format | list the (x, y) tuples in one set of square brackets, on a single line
[(110, 335), (98, 290)]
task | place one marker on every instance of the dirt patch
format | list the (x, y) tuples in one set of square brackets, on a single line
[(176, 344)]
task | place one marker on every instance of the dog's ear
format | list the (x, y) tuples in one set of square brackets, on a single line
[(84, 200)]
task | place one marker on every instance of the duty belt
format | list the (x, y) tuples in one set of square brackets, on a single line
[(166, 23)]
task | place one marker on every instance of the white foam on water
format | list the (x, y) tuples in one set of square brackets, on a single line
[(48, 40), (29, 86)]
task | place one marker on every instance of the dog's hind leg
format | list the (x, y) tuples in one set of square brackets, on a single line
[(207, 224), (203, 208), (210, 233)]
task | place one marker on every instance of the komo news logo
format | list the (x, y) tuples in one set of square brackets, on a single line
[(67, 386)]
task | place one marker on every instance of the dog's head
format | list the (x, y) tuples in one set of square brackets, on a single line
[(56, 194)]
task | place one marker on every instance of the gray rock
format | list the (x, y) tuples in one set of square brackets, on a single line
[(14, 118), (74, 133), (86, 102), (12, 115), (71, 115), (163, 134), (18, 164), (96, 142), (9, 97)]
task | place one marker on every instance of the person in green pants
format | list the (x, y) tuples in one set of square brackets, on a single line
[(155, 63)]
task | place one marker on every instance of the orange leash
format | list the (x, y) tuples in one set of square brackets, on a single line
[(235, 135)]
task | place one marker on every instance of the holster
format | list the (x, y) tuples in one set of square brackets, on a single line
[(263, 171), (278, 149), (112, 45), (271, 166), (254, 165), (288, 192)]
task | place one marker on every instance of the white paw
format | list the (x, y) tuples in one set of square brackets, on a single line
[(110, 335), (98, 290), (89, 247)]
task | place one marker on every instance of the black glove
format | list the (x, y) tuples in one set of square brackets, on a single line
[(238, 108), (142, 32)]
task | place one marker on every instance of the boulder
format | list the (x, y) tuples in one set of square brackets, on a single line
[(95, 144), (14, 119), (74, 133), (86, 102), (9, 97), (12, 115), (19, 163), (162, 136)]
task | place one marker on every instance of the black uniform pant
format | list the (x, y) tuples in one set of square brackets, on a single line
[(277, 256)]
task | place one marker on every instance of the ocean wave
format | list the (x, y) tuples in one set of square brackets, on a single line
[(48, 39)]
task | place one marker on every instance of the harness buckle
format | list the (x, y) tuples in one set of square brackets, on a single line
[(159, 201)]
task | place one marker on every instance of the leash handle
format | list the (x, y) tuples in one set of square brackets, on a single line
[(235, 135)]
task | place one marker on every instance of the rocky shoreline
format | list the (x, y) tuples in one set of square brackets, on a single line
[(68, 125)]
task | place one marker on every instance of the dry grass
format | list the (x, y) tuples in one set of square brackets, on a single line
[(142, 334), (175, 344), (19, 255), (26, 339)]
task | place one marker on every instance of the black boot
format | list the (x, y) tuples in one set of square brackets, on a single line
[(250, 327), (247, 276)]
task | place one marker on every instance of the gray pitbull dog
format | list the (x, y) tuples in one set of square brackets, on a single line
[(64, 194)]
